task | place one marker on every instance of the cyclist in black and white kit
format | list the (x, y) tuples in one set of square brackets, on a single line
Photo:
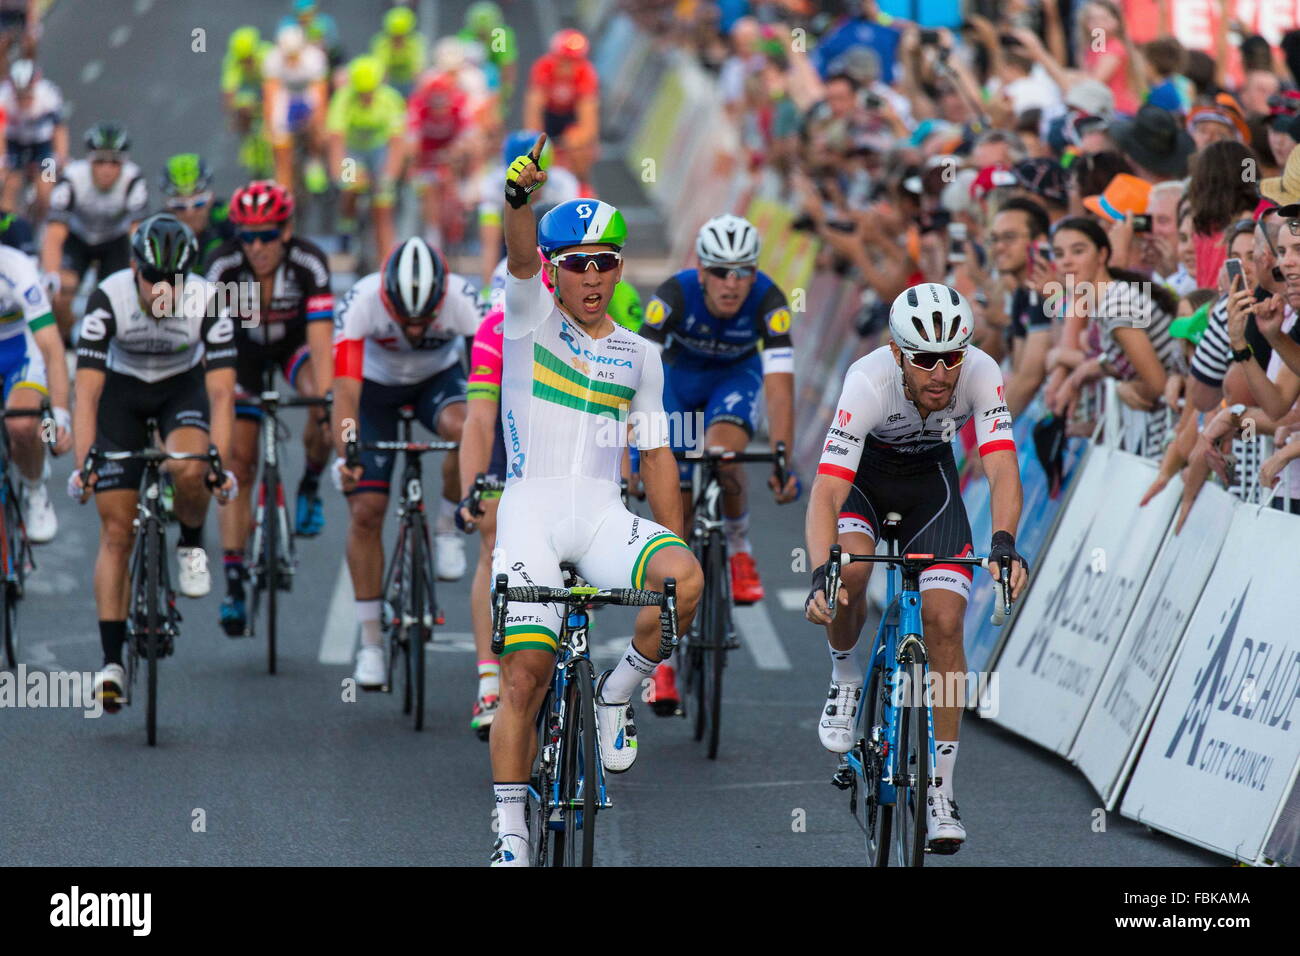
[(889, 448), (93, 208), (151, 348)]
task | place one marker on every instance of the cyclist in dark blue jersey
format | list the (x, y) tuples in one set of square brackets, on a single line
[(725, 333)]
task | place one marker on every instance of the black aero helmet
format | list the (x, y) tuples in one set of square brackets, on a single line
[(414, 281), (162, 247), (108, 136)]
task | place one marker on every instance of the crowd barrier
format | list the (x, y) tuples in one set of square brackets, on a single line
[(1166, 667)]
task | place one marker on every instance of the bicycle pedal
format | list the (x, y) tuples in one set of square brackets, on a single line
[(943, 847), (843, 777)]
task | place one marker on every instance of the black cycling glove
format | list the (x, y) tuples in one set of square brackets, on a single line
[(1004, 544), (818, 584)]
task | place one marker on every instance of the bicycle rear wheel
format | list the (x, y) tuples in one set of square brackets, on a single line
[(913, 761), (716, 640), (153, 622), (541, 782), (9, 565), (575, 844), (875, 818)]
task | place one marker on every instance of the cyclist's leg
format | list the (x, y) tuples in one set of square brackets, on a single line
[(123, 407), (684, 400), (526, 554), (368, 502), (25, 387), (183, 422), (309, 509), (942, 528), (235, 519), (76, 262), (489, 668), (441, 408), (732, 418), (382, 198)]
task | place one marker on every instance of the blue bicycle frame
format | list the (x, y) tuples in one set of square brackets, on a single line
[(902, 615)]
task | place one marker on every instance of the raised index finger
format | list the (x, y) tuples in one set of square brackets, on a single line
[(536, 152)]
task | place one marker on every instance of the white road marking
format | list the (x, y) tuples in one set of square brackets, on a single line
[(119, 35), (341, 629), (755, 626), (791, 599), (90, 72)]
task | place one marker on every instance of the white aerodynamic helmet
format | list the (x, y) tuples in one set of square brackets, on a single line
[(727, 241), (931, 317)]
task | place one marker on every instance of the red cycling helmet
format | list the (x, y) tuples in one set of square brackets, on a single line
[(262, 202), (570, 43)]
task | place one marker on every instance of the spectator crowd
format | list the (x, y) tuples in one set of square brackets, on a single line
[(1113, 210)]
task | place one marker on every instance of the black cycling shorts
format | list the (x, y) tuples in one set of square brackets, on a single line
[(925, 491), (380, 419), (106, 257), (288, 355), (21, 155), (124, 406)]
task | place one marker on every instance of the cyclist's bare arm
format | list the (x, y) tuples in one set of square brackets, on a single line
[(50, 343), (397, 153), (476, 439), (347, 405), (85, 417), (220, 384), (521, 223), (61, 145), (320, 343), (821, 523), (1005, 499), (52, 246), (778, 392), (660, 475)]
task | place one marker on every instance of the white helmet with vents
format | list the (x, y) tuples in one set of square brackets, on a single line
[(727, 241), (931, 317)]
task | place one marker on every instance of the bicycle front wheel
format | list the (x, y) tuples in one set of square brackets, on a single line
[(913, 762), (417, 636), (716, 640), (541, 783), (10, 566), (575, 845), (153, 622), (875, 818), (272, 509)]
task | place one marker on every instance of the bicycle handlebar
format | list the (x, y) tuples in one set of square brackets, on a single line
[(1001, 580), (666, 601), (482, 485), (352, 450), (95, 457)]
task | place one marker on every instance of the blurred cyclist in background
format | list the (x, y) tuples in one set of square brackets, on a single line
[(35, 135), (241, 98), (485, 27), (563, 100), (294, 99), (400, 48), (186, 184)]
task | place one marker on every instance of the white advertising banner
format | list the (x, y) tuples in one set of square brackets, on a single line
[(1222, 751), (1094, 568), (1124, 705)]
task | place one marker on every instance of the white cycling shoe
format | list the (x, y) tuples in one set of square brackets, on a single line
[(193, 579), (839, 717), (38, 514), (617, 732), (451, 555), (109, 684), (371, 672), (511, 849), (944, 830)]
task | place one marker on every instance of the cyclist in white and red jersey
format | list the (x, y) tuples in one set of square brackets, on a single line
[(889, 448), (437, 118), (398, 342), (573, 384)]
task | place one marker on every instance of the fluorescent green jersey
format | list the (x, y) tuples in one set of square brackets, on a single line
[(500, 48), (403, 62), (364, 125), (242, 80)]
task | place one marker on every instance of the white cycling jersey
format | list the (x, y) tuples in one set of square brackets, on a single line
[(566, 398), (874, 413), (119, 335), (96, 216), (23, 300), (369, 341), (297, 74), (35, 124)]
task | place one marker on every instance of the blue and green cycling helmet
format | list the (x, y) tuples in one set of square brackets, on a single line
[(578, 222), (520, 142)]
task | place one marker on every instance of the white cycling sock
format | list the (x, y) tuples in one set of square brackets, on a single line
[(627, 676), (489, 679), (511, 801), (446, 516), (368, 618), (945, 752), (845, 665), (737, 531)]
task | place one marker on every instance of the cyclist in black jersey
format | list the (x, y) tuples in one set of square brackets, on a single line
[(287, 323)]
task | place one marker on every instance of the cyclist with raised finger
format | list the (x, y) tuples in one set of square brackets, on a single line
[(889, 448)]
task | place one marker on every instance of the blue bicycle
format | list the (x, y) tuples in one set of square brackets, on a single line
[(567, 786), (889, 770)]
